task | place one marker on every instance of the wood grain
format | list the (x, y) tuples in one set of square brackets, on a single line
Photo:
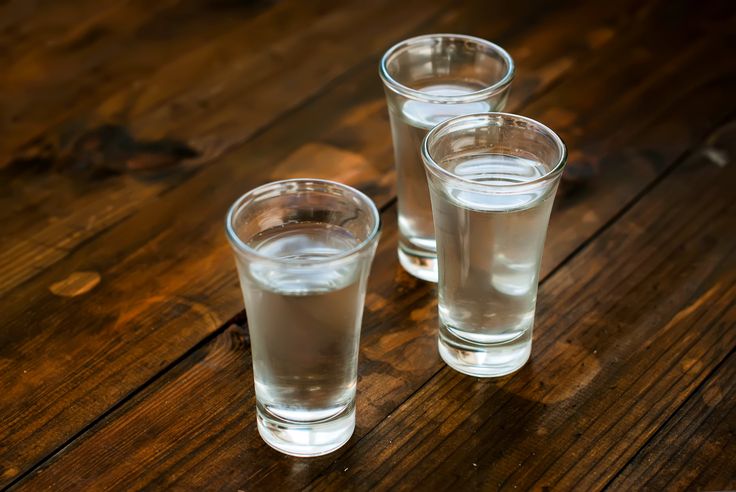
[(75, 208), (95, 343), (141, 263), (648, 314), (154, 68), (153, 444), (62, 58), (398, 354), (696, 449), (183, 115), (631, 87)]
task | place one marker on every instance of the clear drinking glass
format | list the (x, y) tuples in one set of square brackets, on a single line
[(303, 249), (492, 180), (428, 79)]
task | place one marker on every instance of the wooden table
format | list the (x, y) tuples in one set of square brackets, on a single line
[(128, 127)]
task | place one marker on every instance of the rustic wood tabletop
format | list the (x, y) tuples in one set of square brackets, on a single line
[(129, 127)]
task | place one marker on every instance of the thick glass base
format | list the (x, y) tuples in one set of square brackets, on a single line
[(483, 360), (306, 439), (423, 265)]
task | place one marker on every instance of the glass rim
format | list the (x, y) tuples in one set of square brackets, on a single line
[(483, 93), (434, 167), (240, 246)]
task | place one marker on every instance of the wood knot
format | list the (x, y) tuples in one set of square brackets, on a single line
[(9, 472), (712, 396), (236, 338), (579, 172), (375, 302), (111, 149), (75, 284)]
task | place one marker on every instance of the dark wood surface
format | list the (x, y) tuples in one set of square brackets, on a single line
[(129, 127)]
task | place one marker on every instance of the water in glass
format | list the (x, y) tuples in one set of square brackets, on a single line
[(305, 325), (490, 246), (409, 124)]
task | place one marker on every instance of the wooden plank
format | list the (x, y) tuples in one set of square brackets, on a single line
[(101, 339), (141, 263), (202, 104), (626, 332), (83, 353), (187, 461), (398, 352), (25, 26), (74, 207), (60, 57), (696, 449), (175, 59)]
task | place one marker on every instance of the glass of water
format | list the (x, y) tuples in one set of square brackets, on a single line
[(428, 79), (303, 249), (492, 180)]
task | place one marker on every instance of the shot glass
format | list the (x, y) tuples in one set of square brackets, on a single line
[(303, 249), (428, 79), (492, 180)]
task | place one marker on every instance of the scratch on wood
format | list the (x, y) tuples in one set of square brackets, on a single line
[(684, 313)]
